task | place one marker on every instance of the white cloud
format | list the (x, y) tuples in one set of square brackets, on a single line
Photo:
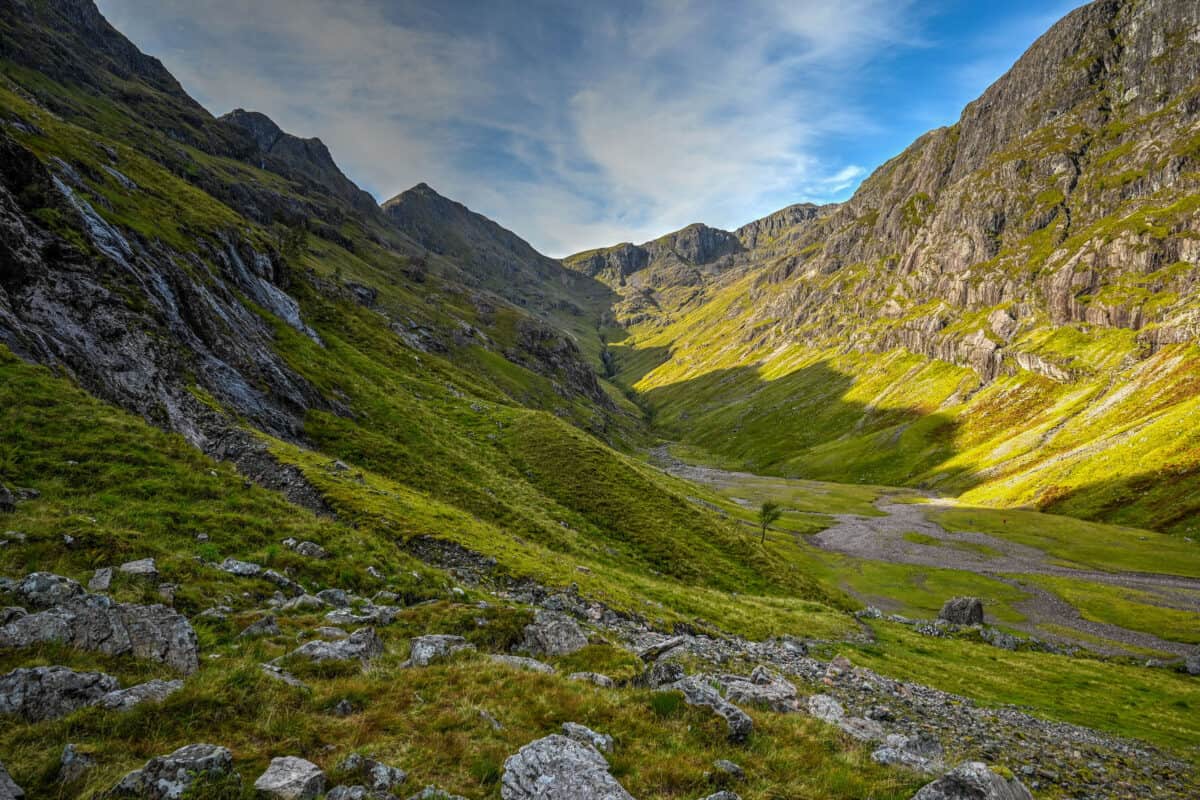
[(679, 111)]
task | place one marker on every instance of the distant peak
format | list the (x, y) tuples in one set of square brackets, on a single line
[(261, 128)]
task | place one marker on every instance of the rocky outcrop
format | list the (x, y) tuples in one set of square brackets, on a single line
[(154, 691), (42, 693), (974, 780), (362, 645), (171, 776), (559, 768), (97, 623)]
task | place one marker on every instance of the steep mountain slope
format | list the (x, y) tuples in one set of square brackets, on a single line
[(1028, 275)]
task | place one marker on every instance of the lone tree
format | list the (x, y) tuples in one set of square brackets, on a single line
[(768, 515)]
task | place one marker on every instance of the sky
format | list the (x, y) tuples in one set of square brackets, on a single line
[(584, 124)]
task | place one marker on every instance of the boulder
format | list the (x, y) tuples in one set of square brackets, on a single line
[(559, 768), (291, 778), (519, 662), (8, 787), (307, 549), (973, 780), (243, 569), (656, 651), (553, 634), (376, 775), (266, 626), (363, 645), (663, 673), (72, 766), (827, 708), (142, 568), (962, 611), (763, 688), (603, 681), (697, 691), (97, 623), (1191, 664), (169, 777), (727, 770), (427, 649), (921, 752), (101, 580), (581, 733), (335, 597), (41, 693), (152, 691)]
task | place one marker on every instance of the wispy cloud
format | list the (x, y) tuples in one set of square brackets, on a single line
[(574, 127)]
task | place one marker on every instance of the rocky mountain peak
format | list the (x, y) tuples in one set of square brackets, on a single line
[(261, 128)]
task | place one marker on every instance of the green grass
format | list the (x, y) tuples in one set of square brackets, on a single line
[(1128, 608)]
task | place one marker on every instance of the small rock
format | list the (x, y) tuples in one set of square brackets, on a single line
[(728, 770), (581, 733), (376, 775), (763, 688), (142, 568), (973, 780), (655, 651), (603, 681), (201, 537), (827, 708), (152, 691), (283, 676), (1191, 664), (72, 766), (291, 778), (8, 502), (724, 794), (305, 602), (335, 597), (8, 787), (922, 752), (243, 569), (306, 549), (558, 768), (331, 634), (169, 777), (519, 662), (553, 634), (434, 793), (865, 730), (343, 708), (490, 720), (101, 580), (267, 626), (427, 649), (962, 611)]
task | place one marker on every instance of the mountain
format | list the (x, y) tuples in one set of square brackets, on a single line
[(1027, 275)]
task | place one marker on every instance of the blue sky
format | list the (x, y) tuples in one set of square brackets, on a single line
[(580, 124)]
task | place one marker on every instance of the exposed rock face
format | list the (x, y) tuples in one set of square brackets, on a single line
[(558, 768), (95, 622), (427, 649), (291, 778), (962, 611), (553, 634), (43, 693), (973, 780), (169, 777)]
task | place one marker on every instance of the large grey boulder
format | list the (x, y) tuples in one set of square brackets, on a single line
[(8, 787), (363, 645), (97, 623), (973, 780), (169, 777), (558, 768), (962, 611), (377, 776), (291, 778), (425, 650), (41, 693), (154, 691), (553, 634)]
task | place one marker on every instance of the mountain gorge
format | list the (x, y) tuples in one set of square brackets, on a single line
[(329, 485)]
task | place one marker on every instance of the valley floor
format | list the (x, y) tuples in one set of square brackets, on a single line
[(1055, 578)]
